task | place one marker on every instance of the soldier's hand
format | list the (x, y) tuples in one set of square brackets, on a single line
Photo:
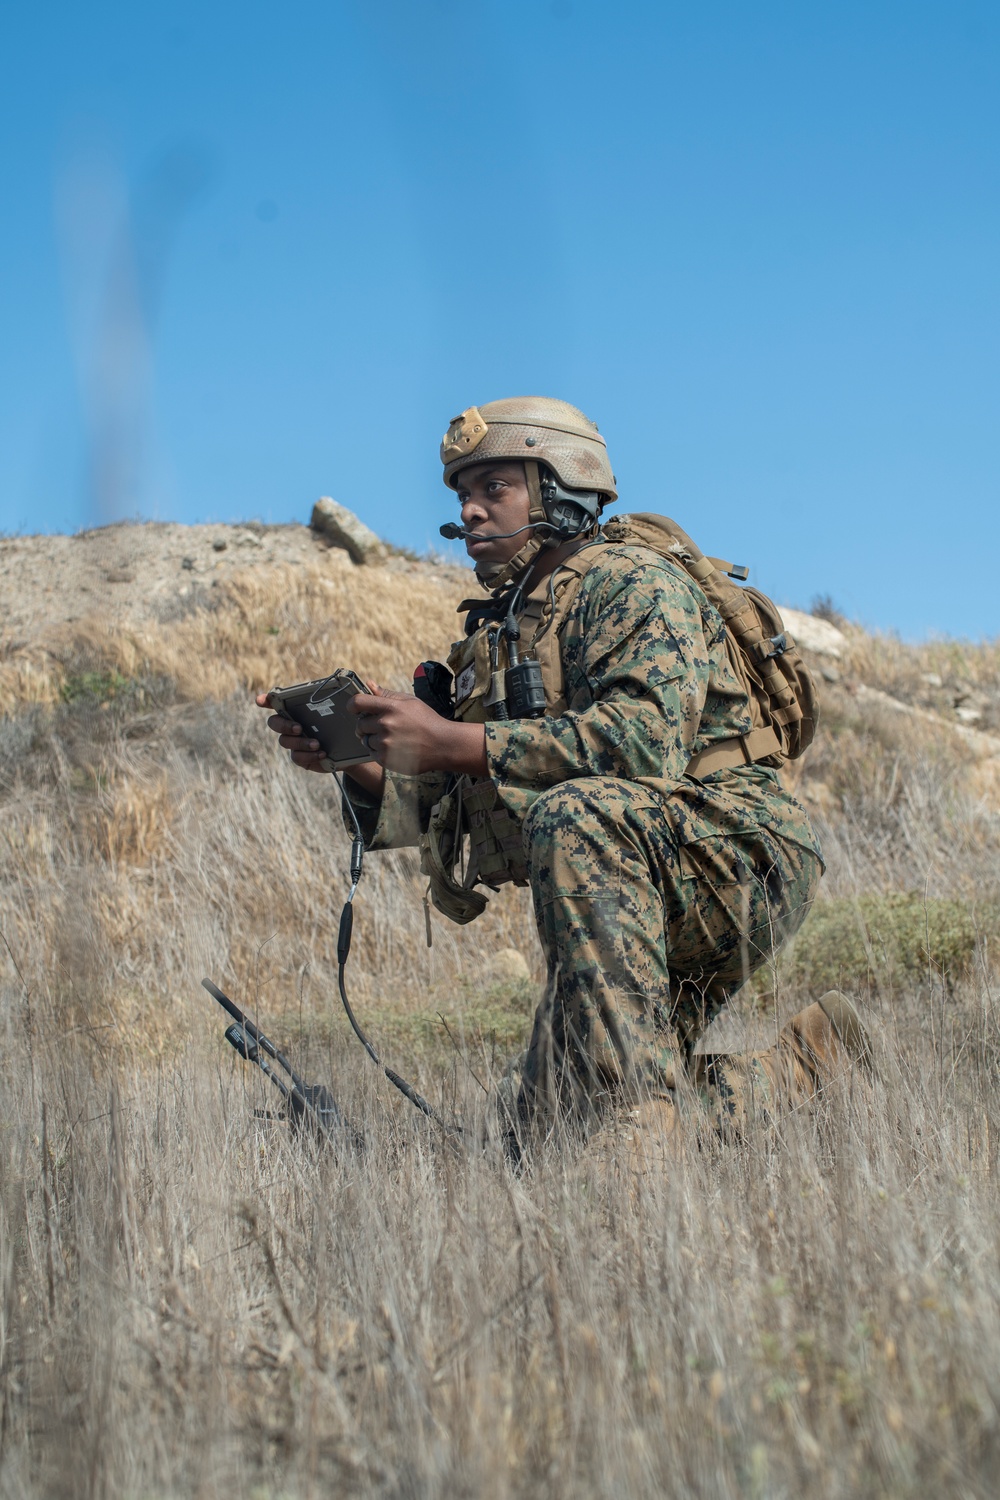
[(406, 735), (304, 751)]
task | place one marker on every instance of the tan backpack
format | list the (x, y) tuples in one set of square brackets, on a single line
[(779, 685)]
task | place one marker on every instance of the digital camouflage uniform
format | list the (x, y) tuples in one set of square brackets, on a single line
[(655, 894)]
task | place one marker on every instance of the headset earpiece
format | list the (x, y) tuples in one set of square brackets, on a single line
[(569, 512)]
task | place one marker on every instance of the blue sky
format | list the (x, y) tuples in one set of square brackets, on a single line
[(253, 255)]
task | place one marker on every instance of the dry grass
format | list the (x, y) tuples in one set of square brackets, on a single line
[(901, 803), (941, 675), (193, 1303)]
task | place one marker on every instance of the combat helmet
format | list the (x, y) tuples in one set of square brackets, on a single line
[(565, 462)]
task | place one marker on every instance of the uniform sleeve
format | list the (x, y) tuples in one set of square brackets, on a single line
[(637, 662), (396, 820)]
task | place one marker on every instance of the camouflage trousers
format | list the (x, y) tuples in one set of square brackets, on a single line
[(651, 911)]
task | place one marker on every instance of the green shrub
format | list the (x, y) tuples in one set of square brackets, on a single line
[(880, 942), (99, 686)]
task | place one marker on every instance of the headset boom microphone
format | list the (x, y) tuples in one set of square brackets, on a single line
[(452, 532)]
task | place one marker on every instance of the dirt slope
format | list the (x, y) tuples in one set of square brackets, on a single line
[(135, 572)]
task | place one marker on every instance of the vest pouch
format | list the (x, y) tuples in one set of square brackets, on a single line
[(496, 846), (469, 662), (439, 848), (525, 685)]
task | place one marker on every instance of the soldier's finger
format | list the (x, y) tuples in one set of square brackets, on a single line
[(281, 725), (290, 742), (363, 703), (308, 760)]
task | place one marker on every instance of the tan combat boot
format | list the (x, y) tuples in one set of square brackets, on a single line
[(646, 1135), (823, 1042), (630, 1143), (831, 1036), (634, 1142)]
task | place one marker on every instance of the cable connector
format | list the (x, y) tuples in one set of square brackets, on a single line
[(357, 859), (344, 935)]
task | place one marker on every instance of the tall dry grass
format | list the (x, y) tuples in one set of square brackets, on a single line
[(194, 1303)]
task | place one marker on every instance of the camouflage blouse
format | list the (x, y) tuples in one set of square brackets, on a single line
[(648, 683)]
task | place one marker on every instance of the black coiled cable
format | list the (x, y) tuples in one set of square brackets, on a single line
[(343, 952)]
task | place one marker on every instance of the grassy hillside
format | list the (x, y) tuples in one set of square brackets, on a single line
[(192, 1303)]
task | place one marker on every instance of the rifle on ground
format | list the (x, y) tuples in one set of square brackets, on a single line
[(310, 1105)]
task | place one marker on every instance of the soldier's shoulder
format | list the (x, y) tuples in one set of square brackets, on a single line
[(619, 565)]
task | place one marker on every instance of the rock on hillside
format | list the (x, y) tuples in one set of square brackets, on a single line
[(815, 635)]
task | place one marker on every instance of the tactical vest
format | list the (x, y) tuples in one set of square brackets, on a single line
[(763, 655)]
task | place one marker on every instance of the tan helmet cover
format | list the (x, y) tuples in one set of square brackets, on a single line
[(526, 428)]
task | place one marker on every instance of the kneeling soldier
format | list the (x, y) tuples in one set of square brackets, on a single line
[(601, 740)]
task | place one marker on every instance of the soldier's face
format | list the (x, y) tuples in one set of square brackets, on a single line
[(494, 499)]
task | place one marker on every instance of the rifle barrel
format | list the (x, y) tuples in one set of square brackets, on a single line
[(253, 1031)]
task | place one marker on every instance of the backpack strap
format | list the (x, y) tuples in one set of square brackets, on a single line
[(720, 755)]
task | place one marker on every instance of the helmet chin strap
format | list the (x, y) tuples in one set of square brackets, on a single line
[(503, 573), (536, 510)]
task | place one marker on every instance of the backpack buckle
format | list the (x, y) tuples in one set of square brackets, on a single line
[(778, 645)]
